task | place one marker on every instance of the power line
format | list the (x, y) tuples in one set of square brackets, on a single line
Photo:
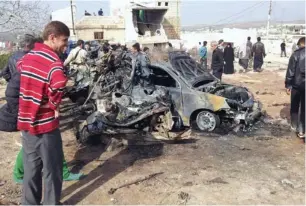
[(248, 8), (256, 7)]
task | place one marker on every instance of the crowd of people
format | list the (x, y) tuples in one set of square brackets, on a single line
[(36, 80), (223, 56)]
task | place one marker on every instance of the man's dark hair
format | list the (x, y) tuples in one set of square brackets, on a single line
[(28, 41), (301, 41), (249, 38), (220, 41), (205, 43), (57, 28), (136, 46), (169, 44), (145, 49), (80, 42), (258, 39)]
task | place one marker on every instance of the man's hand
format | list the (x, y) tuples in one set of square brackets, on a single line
[(288, 91)]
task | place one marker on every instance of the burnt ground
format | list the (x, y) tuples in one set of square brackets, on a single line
[(263, 166)]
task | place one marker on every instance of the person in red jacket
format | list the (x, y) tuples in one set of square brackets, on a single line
[(42, 82)]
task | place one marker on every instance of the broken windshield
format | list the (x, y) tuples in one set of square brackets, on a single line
[(188, 67)]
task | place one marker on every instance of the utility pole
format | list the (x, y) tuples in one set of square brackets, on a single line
[(269, 17), (282, 25), (72, 17)]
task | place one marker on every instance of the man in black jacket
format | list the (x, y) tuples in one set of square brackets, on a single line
[(295, 84), (259, 53), (9, 111), (217, 61)]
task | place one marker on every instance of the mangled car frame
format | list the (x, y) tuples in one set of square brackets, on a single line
[(185, 95)]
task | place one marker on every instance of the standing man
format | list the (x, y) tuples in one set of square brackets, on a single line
[(250, 45), (41, 89), (259, 54), (283, 49), (141, 72), (100, 12), (76, 59), (203, 55), (217, 61), (295, 84)]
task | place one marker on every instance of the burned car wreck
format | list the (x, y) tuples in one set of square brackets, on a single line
[(185, 95)]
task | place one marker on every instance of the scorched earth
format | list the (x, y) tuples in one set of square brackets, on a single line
[(263, 166)]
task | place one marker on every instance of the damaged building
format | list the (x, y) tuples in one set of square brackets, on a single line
[(148, 22)]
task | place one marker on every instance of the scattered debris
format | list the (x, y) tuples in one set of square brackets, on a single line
[(287, 182), (265, 93), (263, 138), (291, 184), (279, 105), (184, 197), (2, 183), (217, 180), (113, 190), (188, 184), (273, 192)]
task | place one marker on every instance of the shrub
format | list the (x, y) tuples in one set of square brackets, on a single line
[(4, 59)]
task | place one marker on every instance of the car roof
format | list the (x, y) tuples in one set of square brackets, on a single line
[(181, 64)]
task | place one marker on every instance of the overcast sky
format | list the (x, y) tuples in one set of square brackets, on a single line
[(211, 12)]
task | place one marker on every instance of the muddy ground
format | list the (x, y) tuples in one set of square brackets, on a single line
[(264, 166)]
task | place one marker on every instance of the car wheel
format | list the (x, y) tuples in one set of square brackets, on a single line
[(207, 121)]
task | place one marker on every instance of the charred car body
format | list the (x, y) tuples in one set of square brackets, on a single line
[(184, 95)]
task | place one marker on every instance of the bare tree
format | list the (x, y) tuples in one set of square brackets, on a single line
[(23, 16)]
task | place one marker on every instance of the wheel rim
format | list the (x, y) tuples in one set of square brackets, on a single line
[(206, 121)]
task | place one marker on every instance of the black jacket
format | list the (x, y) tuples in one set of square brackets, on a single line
[(295, 77), (217, 60), (9, 111), (10, 68), (259, 49)]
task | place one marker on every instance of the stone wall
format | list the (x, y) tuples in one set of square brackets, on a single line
[(172, 20), (172, 27)]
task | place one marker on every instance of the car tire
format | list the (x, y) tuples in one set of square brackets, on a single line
[(207, 121)]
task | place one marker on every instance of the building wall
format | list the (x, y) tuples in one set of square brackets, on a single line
[(109, 34), (64, 15), (113, 28), (172, 20)]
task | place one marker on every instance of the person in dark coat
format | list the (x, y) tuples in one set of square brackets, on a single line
[(100, 12), (9, 111), (295, 85), (229, 59), (217, 61), (259, 54), (283, 49)]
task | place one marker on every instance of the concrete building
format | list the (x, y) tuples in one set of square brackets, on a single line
[(100, 28), (148, 22), (64, 15)]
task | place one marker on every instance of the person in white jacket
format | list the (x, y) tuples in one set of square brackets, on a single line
[(244, 54), (77, 59)]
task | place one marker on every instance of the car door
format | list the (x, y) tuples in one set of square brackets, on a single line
[(168, 80)]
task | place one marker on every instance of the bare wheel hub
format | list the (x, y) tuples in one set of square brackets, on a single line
[(206, 121)]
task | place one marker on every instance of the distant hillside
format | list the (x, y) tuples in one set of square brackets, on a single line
[(240, 25)]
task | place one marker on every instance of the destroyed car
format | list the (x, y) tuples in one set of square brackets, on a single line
[(200, 99), (184, 95)]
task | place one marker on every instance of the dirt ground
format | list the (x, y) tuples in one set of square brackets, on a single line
[(263, 166)]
